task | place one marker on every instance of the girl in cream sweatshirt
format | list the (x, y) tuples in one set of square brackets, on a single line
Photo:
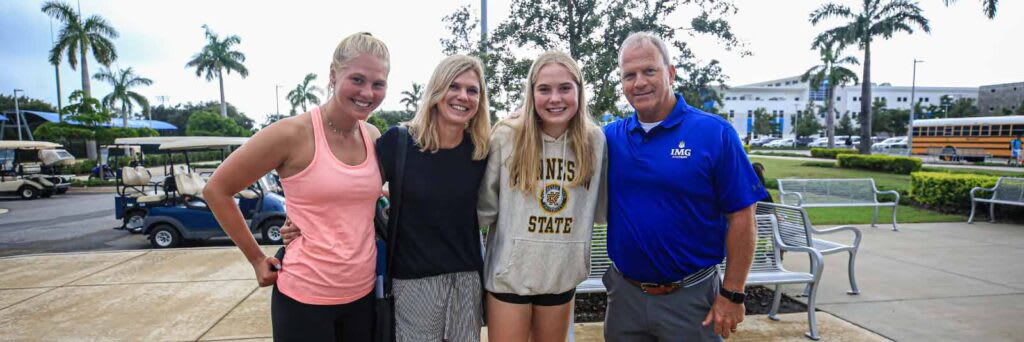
[(541, 189)]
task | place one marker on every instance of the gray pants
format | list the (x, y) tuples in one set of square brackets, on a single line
[(636, 316), (445, 307)]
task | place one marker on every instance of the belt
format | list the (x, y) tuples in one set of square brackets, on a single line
[(664, 289)]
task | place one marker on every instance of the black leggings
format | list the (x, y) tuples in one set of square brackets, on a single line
[(295, 321)]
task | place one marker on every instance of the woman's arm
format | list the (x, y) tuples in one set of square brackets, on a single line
[(259, 155)]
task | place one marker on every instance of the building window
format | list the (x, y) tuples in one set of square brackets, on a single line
[(732, 114), (838, 98), (993, 90), (797, 99), (757, 99), (927, 99)]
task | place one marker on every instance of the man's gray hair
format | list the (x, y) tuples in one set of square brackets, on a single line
[(638, 38)]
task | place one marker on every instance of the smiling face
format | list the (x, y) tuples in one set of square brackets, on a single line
[(556, 97), (461, 101), (646, 80), (360, 86)]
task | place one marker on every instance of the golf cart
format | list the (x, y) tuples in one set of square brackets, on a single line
[(134, 182), (181, 213), (29, 168)]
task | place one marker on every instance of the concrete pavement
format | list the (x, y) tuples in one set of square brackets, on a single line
[(929, 282), (208, 294)]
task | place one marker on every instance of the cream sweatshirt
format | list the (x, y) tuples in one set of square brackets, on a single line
[(539, 243)]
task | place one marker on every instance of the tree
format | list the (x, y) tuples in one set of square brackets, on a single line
[(987, 6), (764, 123), (271, 119), (411, 98), (845, 126), (26, 103), (178, 115), (304, 93), (80, 37), (831, 74), (1020, 109), (122, 81), (962, 108), (590, 32), (86, 110), (393, 117), (203, 123), (377, 121), (216, 58), (805, 124), (877, 19)]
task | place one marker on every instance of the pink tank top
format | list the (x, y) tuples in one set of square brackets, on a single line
[(333, 262)]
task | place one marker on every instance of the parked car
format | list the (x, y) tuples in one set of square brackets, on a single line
[(787, 142), (762, 140), (819, 142), (886, 144), (803, 142)]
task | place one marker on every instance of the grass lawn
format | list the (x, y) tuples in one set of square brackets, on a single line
[(781, 168), (825, 217)]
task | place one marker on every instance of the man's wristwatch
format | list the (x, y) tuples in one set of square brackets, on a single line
[(735, 297)]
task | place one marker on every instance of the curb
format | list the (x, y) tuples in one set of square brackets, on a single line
[(93, 190)]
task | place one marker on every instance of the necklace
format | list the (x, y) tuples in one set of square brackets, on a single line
[(335, 129)]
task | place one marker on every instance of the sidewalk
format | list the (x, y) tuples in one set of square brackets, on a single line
[(948, 281)]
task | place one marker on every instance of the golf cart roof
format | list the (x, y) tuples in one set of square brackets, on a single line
[(149, 140), (201, 143), (23, 144)]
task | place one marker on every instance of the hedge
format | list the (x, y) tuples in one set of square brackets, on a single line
[(947, 191), (892, 164), (830, 153)]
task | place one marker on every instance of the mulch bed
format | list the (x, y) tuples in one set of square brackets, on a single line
[(590, 307)]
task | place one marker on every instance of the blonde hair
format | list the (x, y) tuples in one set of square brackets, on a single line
[(357, 44), (423, 127), (525, 164)]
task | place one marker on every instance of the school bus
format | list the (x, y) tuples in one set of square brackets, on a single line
[(989, 133)]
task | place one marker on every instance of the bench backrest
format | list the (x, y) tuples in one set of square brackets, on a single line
[(860, 190), (794, 225), (599, 260), (766, 255), (1009, 189)]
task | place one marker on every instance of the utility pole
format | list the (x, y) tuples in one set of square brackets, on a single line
[(913, 108), (17, 112)]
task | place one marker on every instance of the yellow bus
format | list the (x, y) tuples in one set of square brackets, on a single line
[(989, 133)]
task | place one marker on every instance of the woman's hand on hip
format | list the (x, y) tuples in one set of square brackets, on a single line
[(290, 231)]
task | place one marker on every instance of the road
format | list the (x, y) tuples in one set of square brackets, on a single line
[(69, 223)]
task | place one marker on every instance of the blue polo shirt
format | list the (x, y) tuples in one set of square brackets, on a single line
[(669, 190)]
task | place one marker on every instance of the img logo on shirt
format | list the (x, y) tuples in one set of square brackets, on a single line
[(682, 152)]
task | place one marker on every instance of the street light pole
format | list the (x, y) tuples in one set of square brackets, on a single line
[(277, 99), (17, 112), (913, 108), (483, 26)]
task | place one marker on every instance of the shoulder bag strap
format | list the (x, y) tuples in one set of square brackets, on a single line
[(395, 188)]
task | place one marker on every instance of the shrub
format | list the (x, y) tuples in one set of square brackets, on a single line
[(830, 153), (892, 164), (947, 191), (81, 167)]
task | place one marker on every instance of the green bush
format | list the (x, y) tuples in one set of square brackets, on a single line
[(891, 164), (81, 167), (153, 160), (947, 191), (830, 153), (92, 182), (58, 132)]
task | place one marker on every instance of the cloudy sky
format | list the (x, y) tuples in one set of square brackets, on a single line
[(284, 42)]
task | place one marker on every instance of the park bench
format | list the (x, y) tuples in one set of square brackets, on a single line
[(599, 262), (831, 193), (1008, 190)]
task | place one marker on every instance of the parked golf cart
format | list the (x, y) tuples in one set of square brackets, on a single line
[(134, 182), (181, 213), (36, 162)]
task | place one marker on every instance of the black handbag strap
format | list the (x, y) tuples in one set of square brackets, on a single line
[(395, 188)]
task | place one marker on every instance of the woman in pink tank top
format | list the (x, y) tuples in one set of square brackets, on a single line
[(329, 169)]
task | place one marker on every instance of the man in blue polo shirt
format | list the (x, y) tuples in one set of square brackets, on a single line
[(681, 198)]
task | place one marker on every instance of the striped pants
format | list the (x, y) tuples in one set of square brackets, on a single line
[(445, 307)]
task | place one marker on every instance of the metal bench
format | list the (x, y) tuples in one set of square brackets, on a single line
[(767, 269), (1008, 190), (599, 262), (831, 193), (796, 230)]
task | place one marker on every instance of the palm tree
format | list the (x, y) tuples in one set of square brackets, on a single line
[(831, 73), (304, 93), (79, 37), (411, 99), (987, 6), (216, 58), (878, 18), (122, 81)]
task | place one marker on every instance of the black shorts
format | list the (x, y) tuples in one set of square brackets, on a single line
[(296, 321), (541, 300)]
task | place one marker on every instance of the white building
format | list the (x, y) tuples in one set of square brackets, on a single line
[(786, 97)]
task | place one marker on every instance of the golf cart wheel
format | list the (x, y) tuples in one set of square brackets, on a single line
[(272, 231), (62, 190), (133, 221), (28, 192), (165, 236)]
